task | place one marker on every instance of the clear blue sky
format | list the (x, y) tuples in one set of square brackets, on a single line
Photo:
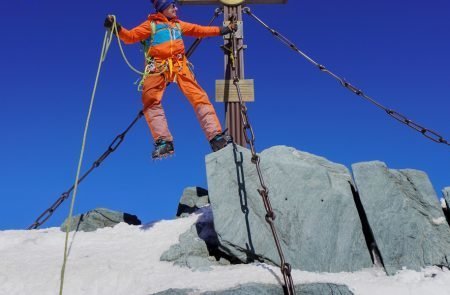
[(396, 51)]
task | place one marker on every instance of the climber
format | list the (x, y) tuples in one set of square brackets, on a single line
[(166, 62)]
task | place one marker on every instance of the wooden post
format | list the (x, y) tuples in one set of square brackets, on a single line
[(232, 107)]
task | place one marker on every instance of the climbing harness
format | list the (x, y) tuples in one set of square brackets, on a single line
[(157, 67), (167, 66), (428, 133), (249, 135)]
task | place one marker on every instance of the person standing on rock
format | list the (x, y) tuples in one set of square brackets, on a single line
[(165, 63)]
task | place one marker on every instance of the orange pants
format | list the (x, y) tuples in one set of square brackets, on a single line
[(152, 93)]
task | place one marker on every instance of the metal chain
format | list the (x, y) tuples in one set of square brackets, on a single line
[(112, 147), (218, 11), (264, 192), (428, 133)]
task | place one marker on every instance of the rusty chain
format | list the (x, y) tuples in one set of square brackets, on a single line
[(428, 133), (112, 147), (264, 192)]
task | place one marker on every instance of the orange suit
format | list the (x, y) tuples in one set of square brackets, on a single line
[(167, 63)]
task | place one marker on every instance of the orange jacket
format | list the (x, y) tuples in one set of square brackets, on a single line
[(168, 44)]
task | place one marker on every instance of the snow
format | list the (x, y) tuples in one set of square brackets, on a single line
[(125, 260), (439, 220)]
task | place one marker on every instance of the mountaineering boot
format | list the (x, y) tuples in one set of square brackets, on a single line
[(220, 141), (163, 148)]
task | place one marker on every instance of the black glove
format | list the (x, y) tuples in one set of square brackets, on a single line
[(225, 30), (232, 27), (109, 21)]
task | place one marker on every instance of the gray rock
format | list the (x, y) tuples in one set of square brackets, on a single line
[(323, 289), (192, 199), (176, 292), (405, 216), (317, 222), (446, 194), (268, 289), (198, 247), (446, 205), (99, 218)]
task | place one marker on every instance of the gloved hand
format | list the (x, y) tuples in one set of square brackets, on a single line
[(232, 27), (109, 21)]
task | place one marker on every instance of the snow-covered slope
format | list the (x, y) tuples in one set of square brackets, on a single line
[(125, 260)]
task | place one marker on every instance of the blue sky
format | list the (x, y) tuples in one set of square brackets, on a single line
[(396, 51)]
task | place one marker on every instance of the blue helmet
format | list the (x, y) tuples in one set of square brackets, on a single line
[(160, 5)]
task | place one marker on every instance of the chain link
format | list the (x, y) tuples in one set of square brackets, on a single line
[(430, 134), (112, 147), (263, 191)]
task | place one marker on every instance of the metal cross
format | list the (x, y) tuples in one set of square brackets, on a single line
[(225, 90)]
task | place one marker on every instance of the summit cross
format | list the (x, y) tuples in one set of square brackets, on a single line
[(225, 90)]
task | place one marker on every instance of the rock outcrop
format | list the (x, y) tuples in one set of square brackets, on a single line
[(326, 221), (198, 247), (405, 216), (317, 222), (446, 194), (99, 218), (192, 199), (266, 289)]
